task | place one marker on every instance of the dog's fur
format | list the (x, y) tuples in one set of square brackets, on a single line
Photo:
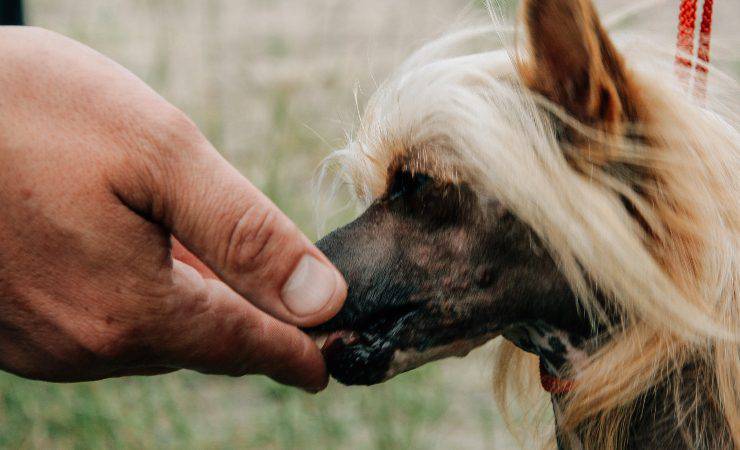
[(583, 207)]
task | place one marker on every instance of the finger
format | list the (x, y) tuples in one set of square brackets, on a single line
[(142, 371), (206, 326), (239, 233), (180, 253)]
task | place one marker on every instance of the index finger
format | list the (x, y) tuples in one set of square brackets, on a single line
[(206, 326)]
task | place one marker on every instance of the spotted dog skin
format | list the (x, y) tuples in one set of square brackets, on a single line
[(559, 350)]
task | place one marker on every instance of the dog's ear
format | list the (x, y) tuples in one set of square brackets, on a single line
[(574, 64)]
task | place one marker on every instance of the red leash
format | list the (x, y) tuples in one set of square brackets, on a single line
[(687, 14)]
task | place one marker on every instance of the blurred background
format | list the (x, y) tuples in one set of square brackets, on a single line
[(272, 84)]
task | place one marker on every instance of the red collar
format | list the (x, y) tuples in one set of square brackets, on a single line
[(553, 384)]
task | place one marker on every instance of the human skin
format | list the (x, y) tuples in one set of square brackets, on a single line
[(98, 174)]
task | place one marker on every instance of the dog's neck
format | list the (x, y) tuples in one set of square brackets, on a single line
[(655, 424)]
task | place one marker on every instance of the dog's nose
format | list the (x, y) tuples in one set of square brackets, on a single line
[(341, 251)]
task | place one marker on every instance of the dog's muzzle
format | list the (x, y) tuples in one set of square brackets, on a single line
[(389, 345), (364, 353)]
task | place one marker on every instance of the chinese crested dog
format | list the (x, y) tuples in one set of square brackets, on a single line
[(563, 195)]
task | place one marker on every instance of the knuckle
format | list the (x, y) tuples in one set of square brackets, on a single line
[(172, 133), (245, 343), (250, 241), (163, 136), (176, 125), (256, 332), (195, 304), (110, 343)]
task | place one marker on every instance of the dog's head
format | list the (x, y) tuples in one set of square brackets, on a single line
[(434, 271), (451, 160)]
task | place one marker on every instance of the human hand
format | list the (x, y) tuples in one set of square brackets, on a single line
[(97, 173)]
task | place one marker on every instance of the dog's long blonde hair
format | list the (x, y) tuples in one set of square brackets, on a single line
[(673, 276)]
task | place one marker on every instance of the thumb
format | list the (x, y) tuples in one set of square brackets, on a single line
[(240, 234)]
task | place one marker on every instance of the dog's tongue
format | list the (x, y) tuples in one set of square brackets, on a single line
[(325, 341), (332, 338)]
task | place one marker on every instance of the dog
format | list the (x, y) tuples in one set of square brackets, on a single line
[(574, 202)]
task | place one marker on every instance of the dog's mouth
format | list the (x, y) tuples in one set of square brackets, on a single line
[(384, 345), (360, 351)]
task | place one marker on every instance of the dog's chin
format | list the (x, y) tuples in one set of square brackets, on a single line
[(357, 358)]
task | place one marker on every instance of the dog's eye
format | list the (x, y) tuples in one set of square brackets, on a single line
[(405, 183), (420, 197)]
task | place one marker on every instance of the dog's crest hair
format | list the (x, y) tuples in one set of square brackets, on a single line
[(463, 116)]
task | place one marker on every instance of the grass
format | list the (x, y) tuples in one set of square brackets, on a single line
[(188, 410)]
